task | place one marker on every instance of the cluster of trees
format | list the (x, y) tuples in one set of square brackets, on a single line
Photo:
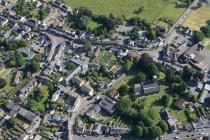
[(187, 74), (149, 66), (134, 33), (87, 45), (104, 72), (177, 85), (57, 105), (23, 8), (41, 14), (85, 16), (16, 60), (139, 10), (151, 33), (37, 100), (188, 2), (200, 35), (206, 29), (141, 23), (128, 63), (33, 66), (13, 44), (71, 67), (145, 120), (166, 100), (167, 20)]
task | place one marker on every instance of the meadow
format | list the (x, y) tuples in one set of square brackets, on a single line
[(198, 18), (152, 9)]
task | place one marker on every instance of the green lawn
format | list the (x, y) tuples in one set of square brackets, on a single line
[(152, 9), (206, 42), (181, 116), (37, 100), (93, 25), (124, 81), (7, 74), (108, 60)]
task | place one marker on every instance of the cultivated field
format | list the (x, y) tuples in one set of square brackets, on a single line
[(198, 18), (152, 9)]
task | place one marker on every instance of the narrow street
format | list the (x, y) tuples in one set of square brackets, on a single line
[(172, 32), (186, 134)]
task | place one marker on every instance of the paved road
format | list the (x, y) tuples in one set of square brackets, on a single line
[(93, 138), (170, 35), (185, 134), (81, 107)]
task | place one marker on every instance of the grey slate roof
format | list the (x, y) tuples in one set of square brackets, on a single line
[(150, 88), (28, 115), (146, 89)]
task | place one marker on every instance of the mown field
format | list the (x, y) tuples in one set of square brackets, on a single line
[(198, 18), (152, 9)]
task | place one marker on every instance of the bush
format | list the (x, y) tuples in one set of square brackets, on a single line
[(2, 83), (198, 37)]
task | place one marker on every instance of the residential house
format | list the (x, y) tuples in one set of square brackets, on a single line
[(3, 21), (37, 3), (108, 104), (194, 58), (179, 103), (80, 127), (169, 119), (74, 105), (25, 28), (93, 110), (119, 130), (87, 89), (55, 96), (199, 86), (88, 130), (146, 89), (55, 118), (71, 100), (82, 66), (32, 23), (179, 43), (113, 94), (29, 117), (207, 87), (27, 89), (3, 120), (188, 32), (78, 81), (17, 78), (97, 129), (97, 52)]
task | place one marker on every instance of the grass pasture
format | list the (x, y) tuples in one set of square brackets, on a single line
[(152, 9), (198, 18)]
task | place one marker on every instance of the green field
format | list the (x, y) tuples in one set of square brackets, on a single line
[(8, 75), (198, 18), (152, 9)]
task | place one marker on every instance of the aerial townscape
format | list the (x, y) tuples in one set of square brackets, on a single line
[(104, 69)]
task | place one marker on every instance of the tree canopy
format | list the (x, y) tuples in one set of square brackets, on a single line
[(198, 36)]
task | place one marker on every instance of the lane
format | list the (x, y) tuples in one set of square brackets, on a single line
[(170, 34), (186, 134)]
